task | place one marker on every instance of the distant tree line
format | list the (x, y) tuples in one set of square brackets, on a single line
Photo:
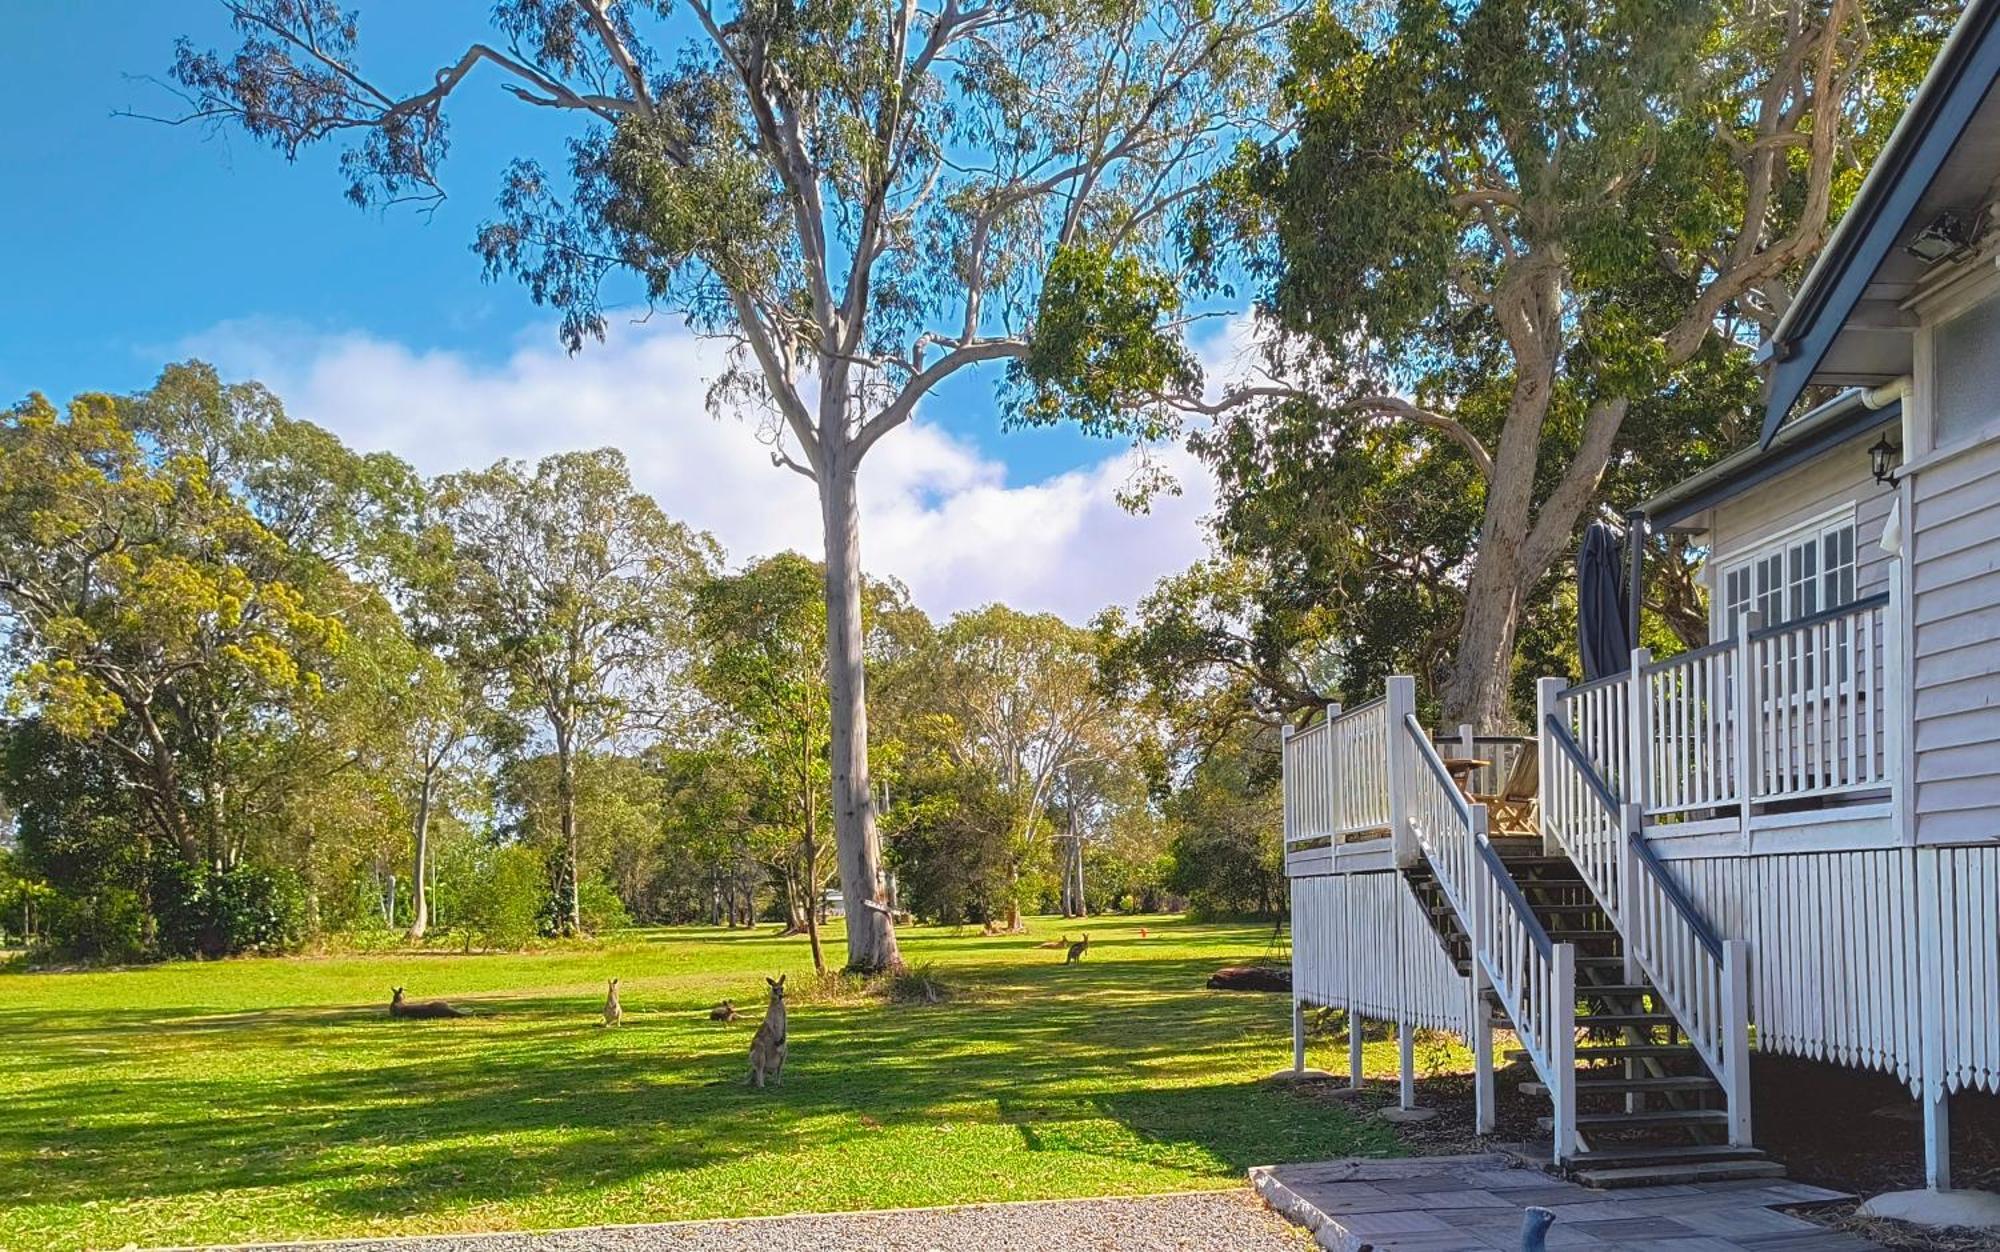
[(262, 689)]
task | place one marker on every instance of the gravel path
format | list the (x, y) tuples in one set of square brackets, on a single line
[(1218, 1221)]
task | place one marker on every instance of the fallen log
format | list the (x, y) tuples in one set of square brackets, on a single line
[(1251, 978)]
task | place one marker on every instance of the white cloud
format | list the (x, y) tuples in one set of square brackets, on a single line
[(937, 513)]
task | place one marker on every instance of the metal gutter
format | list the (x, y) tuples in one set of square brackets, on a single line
[(1798, 441)]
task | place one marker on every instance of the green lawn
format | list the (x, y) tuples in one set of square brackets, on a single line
[(266, 1099)]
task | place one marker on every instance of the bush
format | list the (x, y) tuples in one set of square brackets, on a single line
[(108, 926), (504, 907), (211, 913), (602, 909)]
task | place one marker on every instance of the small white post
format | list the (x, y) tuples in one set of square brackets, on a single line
[(1467, 741), (1354, 1041), (1485, 1098), (1736, 1038), (1562, 1051), (1937, 1139), (1631, 819), (1332, 789), (1746, 706), (1406, 1063), (1931, 973), (1298, 985), (1630, 825), (1639, 732), (1898, 764), (1290, 803), (1406, 1042), (1400, 702), (1548, 703)]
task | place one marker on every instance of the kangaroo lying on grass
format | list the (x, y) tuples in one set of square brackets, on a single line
[(1076, 950), (767, 1046), (613, 1011), (1055, 943), (399, 1007), (724, 1012)]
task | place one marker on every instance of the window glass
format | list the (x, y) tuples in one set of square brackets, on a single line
[(1965, 373), (1795, 578)]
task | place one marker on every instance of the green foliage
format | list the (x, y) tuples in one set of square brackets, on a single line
[(1105, 346), (503, 903), (1226, 819), (1517, 251), (221, 912)]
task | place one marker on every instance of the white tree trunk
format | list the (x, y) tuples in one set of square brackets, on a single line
[(871, 933), (419, 879)]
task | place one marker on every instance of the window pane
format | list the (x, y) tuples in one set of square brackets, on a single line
[(1966, 373)]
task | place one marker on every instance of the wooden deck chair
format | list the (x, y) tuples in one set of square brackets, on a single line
[(1512, 810)]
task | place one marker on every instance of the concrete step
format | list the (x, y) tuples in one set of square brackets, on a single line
[(1632, 1155)]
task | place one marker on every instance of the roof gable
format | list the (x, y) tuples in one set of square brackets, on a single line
[(1946, 148)]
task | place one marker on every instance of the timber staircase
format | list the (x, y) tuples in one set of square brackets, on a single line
[(1649, 1110)]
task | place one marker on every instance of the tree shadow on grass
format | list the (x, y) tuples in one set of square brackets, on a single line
[(1120, 1059)]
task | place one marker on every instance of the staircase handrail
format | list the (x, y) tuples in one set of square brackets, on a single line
[(1532, 976), (1702, 978), (1648, 859)]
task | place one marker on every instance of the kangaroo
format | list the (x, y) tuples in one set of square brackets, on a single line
[(399, 1007), (1055, 943), (613, 1011), (767, 1046), (724, 1012), (1077, 949)]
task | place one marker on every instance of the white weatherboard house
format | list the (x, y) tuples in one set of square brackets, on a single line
[(1789, 838)]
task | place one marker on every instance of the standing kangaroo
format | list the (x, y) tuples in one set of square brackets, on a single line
[(767, 1046), (1076, 950), (399, 1007), (613, 1011)]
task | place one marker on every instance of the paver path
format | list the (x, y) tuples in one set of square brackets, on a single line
[(1475, 1204), (1218, 1221)]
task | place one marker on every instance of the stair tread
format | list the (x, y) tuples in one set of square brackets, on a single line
[(1671, 1173), (1586, 1084), (1619, 1052), (1639, 1153), (1654, 1117), (1626, 1019)]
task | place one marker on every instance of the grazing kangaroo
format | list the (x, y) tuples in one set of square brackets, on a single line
[(724, 1012), (767, 1046), (1076, 950), (399, 1007), (613, 1011)]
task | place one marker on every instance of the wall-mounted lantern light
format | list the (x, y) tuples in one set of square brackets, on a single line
[(1883, 458)]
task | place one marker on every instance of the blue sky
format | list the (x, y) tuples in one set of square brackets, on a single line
[(130, 243)]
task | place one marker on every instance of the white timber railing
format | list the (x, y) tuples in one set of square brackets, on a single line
[(1702, 978), (1775, 714), (1532, 977), (1336, 780)]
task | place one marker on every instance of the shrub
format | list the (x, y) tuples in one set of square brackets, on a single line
[(602, 909), (916, 984), (245, 908), (108, 925), (504, 907)]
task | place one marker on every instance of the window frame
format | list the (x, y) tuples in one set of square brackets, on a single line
[(1810, 535)]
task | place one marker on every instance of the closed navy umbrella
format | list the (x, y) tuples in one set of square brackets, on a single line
[(1604, 629)]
